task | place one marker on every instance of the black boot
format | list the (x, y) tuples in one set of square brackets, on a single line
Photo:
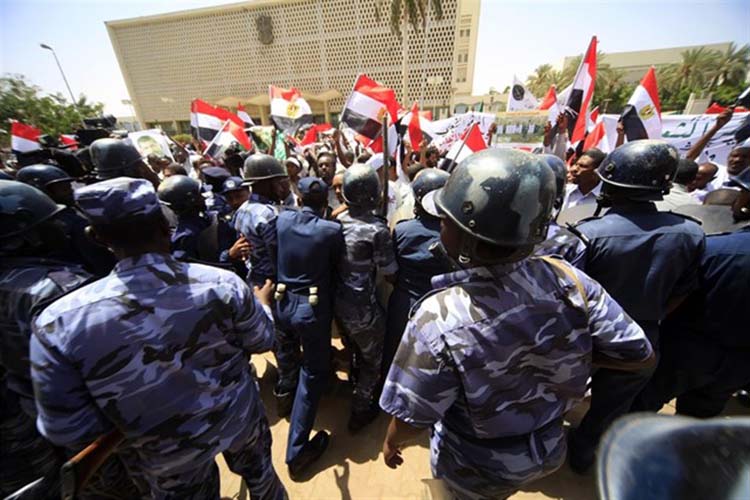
[(309, 454)]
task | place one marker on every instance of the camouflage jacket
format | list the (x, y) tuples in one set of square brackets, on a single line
[(251, 221), (28, 285), (503, 350), (563, 242), (368, 248), (159, 348)]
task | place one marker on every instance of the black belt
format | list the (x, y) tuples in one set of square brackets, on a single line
[(505, 441)]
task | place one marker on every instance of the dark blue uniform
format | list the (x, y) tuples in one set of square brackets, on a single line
[(416, 267), (186, 240), (306, 249), (81, 249), (706, 342), (643, 258)]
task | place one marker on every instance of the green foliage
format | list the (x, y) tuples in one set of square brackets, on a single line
[(415, 12), (701, 71), (53, 114)]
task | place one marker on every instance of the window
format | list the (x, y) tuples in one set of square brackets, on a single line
[(468, 32)]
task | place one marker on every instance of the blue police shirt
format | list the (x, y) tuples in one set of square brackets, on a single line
[(416, 265), (186, 235), (306, 248), (643, 258)]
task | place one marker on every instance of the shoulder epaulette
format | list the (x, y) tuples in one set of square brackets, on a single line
[(573, 229)]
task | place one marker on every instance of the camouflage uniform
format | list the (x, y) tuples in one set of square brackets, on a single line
[(26, 286), (251, 220), (563, 242), (158, 349), (492, 360), (368, 248)]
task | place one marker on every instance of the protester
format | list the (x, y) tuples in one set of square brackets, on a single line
[(687, 171), (585, 184)]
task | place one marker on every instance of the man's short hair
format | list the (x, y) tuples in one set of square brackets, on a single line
[(413, 169), (595, 154), (431, 150), (686, 171)]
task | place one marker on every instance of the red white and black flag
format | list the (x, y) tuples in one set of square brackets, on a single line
[(206, 121), (242, 114), (471, 142), (581, 93), (24, 138), (289, 111), (415, 126), (366, 107), (641, 117)]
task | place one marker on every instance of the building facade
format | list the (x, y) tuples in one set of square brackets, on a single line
[(318, 46)]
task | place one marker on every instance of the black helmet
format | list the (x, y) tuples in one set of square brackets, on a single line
[(113, 158), (561, 176), (181, 193), (23, 207), (259, 167), (426, 180), (503, 197), (361, 186), (5, 176), (41, 176), (647, 166), (742, 179)]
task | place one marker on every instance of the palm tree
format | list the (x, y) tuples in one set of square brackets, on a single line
[(539, 82), (413, 12), (692, 70), (731, 66)]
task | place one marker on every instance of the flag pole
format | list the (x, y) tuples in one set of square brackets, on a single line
[(218, 134), (386, 161), (463, 143)]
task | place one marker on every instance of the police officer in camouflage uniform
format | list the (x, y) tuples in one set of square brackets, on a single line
[(368, 249), (264, 174), (646, 259), (159, 350), (57, 184), (29, 280), (502, 348), (306, 248), (561, 240), (417, 265)]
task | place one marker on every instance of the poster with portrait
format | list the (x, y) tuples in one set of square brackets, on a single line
[(151, 141)]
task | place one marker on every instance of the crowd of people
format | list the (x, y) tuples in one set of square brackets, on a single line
[(135, 291)]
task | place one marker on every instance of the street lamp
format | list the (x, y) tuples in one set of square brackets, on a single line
[(73, 99)]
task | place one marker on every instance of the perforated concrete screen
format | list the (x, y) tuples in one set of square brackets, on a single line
[(315, 45)]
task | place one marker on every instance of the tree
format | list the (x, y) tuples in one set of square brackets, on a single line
[(692, 71), (53, 114), (413, 12), (544, 76), (730, 67)]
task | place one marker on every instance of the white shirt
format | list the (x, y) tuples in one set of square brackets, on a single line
[(677, 197), (574, 196)]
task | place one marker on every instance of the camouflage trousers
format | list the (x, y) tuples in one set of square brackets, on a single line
[(473, 471), (250, 458), (364, 328)]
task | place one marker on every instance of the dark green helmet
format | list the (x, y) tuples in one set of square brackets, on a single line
[(503, 197), (259, 167), (22, 207), (426, 180), (361, 187), (41, 176), (114, 158), (561, 176), (181, 193), (645, 167)]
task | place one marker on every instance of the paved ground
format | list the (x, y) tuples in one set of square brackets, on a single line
[(353, 468)]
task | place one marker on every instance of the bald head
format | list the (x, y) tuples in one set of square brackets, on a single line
[(706, 173)]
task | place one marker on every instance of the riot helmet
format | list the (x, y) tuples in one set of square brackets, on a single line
[(426, 180), (259, 167), (639, 170), (361, 187), (41, 176), (561, 176), (22, 207), (114, 158), (182, 194), (500, 197)]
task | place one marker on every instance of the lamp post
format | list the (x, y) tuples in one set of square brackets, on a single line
[(73, 99)]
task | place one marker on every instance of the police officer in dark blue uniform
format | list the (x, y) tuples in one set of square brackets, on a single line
[(199, 236), (561, 240), (417, 265), (306, 248), (213, 184), (646, 259), (81, 249), (705, 342)]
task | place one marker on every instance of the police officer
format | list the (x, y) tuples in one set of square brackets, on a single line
[(705, 345), (502, 348), (647, 260), (368, 249), (30, 233), (265, 175), (561, 240), (213, 183), (307, 249), (158, 350), (236, 193), (412, 239), (116, 158), (81, 249), (200, 236)]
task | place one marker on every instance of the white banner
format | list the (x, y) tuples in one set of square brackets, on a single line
[(450, 129)]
